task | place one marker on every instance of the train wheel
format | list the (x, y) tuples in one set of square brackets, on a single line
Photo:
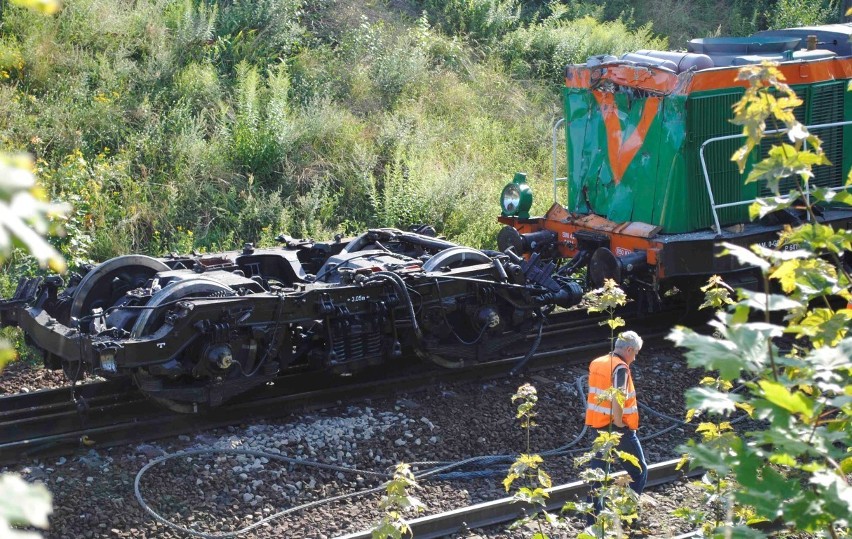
[(152, 319), (455, 257), (459, 339), (145, 381), (458, 336), (108, 282)]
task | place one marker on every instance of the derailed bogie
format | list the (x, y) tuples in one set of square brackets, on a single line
[(195, 331)]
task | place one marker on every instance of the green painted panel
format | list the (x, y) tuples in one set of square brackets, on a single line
[(661, 182), (621, 182), (668, 202)]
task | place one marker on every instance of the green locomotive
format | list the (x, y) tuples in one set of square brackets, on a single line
[(651, 188)]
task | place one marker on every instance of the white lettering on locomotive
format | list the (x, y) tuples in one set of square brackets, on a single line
[(773, 244)]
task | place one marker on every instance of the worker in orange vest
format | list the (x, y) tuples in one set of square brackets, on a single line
[(605, 372)]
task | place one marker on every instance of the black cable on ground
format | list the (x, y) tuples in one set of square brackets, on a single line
[(437, 470)]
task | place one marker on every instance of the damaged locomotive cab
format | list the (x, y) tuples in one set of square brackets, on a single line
[(194, 332)]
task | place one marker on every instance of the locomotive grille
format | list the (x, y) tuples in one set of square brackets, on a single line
[(710, 117), (823, 104)]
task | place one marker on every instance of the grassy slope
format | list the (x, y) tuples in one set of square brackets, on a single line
[(164, 140), (172, 126)]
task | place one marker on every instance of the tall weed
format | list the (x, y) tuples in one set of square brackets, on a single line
[(259, 32), (483, 21), (541, 51)]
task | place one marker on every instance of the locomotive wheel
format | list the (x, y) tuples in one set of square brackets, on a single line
[(457, 328), (152, 318), (150, 321), (108, 282), (455, 257), (142, 378), (458, 332)]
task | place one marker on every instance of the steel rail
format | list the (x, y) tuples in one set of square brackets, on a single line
[(114, 418), (508, 509)]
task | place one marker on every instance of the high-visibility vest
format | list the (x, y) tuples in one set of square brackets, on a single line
[(599, 410)]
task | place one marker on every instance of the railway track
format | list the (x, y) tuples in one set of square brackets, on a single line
[(49, 423), (507, 510)]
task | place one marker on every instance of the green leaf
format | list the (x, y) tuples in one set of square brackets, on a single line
[(831, 365), (818, 237), (707, 458), (544, 479), (806, 512), (764, 206), (822, 326), (783, 459), (614, 323), (765, 489), (7, 353), (772, 302), (744, 256), (628, 457), (778, 395), (704, 398), (709, 352), (22, 503), (737, 348), (822, 194)]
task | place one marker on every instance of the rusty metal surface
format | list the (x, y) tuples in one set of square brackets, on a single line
[(507, 509)]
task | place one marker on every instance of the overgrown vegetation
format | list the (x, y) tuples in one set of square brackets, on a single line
[(179, 124), (527, 474)]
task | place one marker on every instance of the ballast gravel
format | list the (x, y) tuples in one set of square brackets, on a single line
[(214, 493)]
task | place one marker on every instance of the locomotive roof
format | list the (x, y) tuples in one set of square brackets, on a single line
[(713, 63)]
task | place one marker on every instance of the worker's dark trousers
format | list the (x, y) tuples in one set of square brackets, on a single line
[(629, 444)]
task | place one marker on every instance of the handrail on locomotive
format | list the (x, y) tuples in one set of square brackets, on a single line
[(714, 206)]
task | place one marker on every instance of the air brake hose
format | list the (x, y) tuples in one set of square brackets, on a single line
[(399, 284), (249, 452), (439, 470), (519, 366)]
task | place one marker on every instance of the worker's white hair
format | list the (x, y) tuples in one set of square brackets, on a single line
[(628, 339)]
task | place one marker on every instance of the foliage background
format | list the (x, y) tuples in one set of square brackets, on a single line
[(178, 124)]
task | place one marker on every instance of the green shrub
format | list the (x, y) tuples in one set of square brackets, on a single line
[(253, 149), (259, 32), (316, 75), (787, 13), (542, 51), (482, 21), (194, 30), (198, 85)]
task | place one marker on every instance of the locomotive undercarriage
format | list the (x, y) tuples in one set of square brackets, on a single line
[(654, 269), (196, 331)]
